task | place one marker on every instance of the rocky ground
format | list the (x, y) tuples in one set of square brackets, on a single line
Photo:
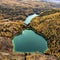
[(19, 10), (22, 56), (11, 28), (49, 27), (46, 24), (8, 29)]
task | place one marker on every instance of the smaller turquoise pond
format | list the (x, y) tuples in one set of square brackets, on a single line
[(29, 41), (29, 18)]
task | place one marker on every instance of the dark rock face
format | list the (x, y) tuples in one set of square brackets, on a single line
[(49, 27)]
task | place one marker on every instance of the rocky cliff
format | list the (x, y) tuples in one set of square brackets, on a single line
[(8, 29), (49, 27)]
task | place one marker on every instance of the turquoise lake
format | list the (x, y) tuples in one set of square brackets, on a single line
[(29, 41)]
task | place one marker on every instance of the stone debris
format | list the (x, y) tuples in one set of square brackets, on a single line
[(22, 56)]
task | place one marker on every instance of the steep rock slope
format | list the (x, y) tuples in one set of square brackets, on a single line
[(49, 27), (8, 29)]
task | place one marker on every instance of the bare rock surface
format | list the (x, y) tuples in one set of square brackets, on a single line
[(21, 56), (49, 27)]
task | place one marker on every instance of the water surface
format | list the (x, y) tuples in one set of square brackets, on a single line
[(29, 41), (29, 18)]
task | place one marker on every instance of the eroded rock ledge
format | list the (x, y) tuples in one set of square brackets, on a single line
[(22, 56), (9, 29), (49, 27)]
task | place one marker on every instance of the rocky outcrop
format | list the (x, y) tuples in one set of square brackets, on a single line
[(19, 10), (49, 27), (40, 57), (8, 29), (11, 28), (5, 44), (21, 56)]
